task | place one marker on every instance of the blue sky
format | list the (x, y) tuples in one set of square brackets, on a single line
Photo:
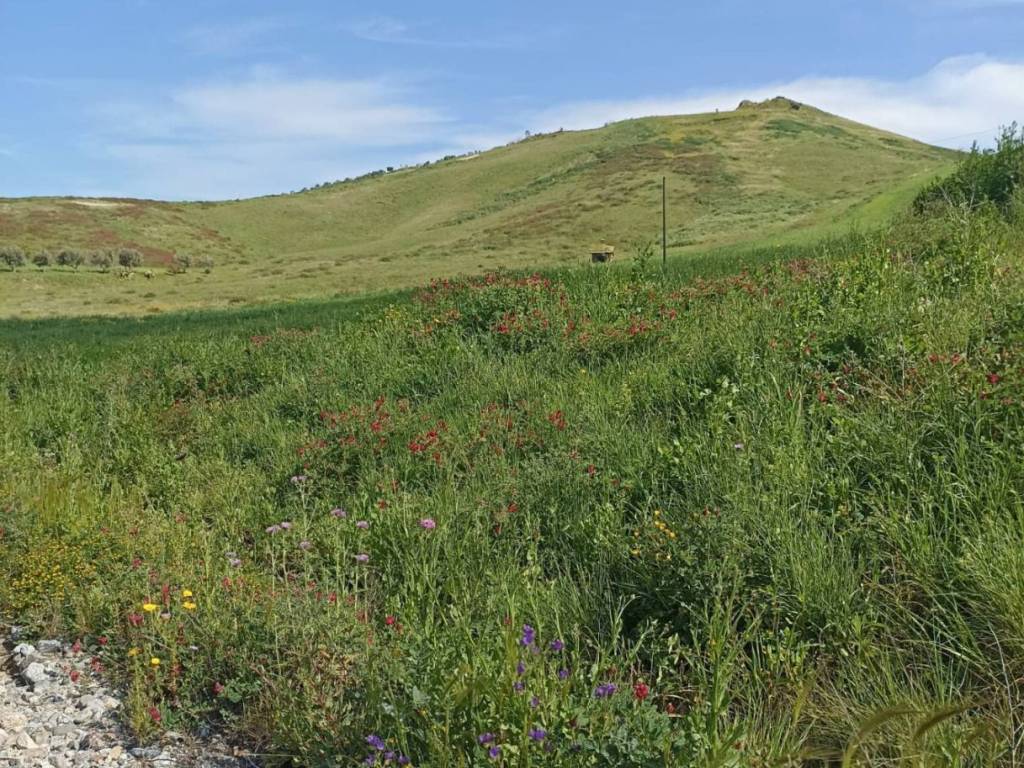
[(223, 98)]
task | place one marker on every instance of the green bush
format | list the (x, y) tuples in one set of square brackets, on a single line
[(102, 260), (129, 258), (42, 259), (12, 256), (69, 257)]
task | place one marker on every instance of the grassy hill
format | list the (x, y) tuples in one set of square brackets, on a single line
[(770, 172)]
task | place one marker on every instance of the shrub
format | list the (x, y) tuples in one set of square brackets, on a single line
[(42, 259), (12, 256), (180, 263), (101, 259), (991, 175), (69, 257), (129, 258), (205, 263)]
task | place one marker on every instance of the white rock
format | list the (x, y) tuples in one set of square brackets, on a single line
[(34, 674), (24, 649), (50, 647), (24, 741)]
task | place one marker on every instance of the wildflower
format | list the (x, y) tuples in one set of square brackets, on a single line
[(494, 752), (133, 652), (218, 689), (563, 674), (534, 702), (375, 741), (74, 675), (529, 635), (538, 734), (428, 524), (186, 593), (604, 690), (370, 759), (737, 446), (390, 620), (520, 669), (305, 546), (135, 619), (519, 687), (298, 479), (362, 558), (404, 759), (485, 738), (362, 525), (154, 714), (641, 691), (188, 605), (286, 526), (149, 607), (234, 562), (389, 755), (339, 513), (556, 646), (993, 378), (273, 529), (154, 662)]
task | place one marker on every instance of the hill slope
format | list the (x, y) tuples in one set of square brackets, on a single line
[(775, 170)]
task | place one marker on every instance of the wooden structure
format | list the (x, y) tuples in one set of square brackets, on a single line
[(602, 254)]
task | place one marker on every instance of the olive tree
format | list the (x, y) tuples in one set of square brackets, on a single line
[(129, 258), (12, 256), (69, 257), (42, 259)]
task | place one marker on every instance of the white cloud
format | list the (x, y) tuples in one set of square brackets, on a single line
[(961, 99), (385, 29), (248, 37)]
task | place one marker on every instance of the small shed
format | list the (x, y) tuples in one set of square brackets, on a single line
[(602, 253)]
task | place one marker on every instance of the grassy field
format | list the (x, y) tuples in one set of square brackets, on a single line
[(761, 509), (764, 174)]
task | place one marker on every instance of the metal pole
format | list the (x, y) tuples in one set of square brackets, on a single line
[(664, 230)]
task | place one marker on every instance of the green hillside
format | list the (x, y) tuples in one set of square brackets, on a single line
[(766, 172)]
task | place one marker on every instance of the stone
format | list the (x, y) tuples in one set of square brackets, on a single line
[(24, 649), (24, 741), (34, 674), (51, 647)]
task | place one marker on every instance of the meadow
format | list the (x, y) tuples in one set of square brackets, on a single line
[(766, 173), (761, 508)]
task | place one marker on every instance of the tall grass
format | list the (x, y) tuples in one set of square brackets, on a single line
[(614, 517)]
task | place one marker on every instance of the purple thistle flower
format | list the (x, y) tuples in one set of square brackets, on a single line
[(362, 525), (305, 545), (563, 674), (286, 526), (538, 734), (519, 687), (520, 669), (362, 558), (234, 562), (428, 524), (485, 738), (556, 646), (273, 529), (404, 759), (389, 755), (604, 690), (534, 702), (370, 759), (339, 512), (494, 752), (375, 741), (529, 635)]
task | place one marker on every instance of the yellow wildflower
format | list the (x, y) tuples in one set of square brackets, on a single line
[(154, 662), (133, 652), (188, 605), (149, 607), (186, 593)]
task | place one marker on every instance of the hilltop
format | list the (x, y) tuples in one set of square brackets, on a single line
[(767, 172)]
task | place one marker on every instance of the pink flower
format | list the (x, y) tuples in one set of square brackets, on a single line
[(338, 512), (362, 525), (305, 546), (428, 523), (362, 558)]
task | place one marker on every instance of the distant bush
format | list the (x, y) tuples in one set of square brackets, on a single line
[(12, 256), (101, 260), (205, 263), (984, 176), (129, 258), (69, 257), (180, 263), (42, 259)]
